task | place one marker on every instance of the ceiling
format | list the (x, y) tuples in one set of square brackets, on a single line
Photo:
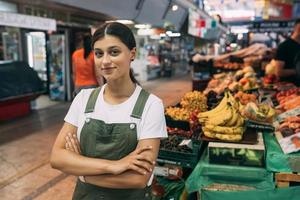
[(154, 12)]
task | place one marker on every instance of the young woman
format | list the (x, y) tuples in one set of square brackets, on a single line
[(111, 134)]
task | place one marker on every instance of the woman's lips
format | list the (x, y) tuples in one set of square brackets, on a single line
[(108, 69)]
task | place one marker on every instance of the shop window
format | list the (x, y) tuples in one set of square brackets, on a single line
[(9, 43)]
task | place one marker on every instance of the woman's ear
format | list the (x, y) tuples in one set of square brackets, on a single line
[(133, 53)]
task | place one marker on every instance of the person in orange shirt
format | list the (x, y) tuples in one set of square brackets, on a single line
[(84, 67)]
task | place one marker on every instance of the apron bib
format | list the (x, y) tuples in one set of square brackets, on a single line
[(112, 142)]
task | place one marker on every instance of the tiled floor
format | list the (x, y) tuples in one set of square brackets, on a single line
[(43, 101)]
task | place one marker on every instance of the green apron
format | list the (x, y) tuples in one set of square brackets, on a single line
[(112, 142)]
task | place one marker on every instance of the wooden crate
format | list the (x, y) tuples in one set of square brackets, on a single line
[(284, 179)]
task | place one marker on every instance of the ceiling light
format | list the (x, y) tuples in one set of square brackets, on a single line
[(122, 21), (174, 7), (142, 26)]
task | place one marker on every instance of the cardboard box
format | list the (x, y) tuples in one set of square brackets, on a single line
[(237, 154)]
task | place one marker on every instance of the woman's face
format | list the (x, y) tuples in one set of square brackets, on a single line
[(112, 58)]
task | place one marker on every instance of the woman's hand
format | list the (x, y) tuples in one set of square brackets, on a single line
[(135, 161), (72, 143)]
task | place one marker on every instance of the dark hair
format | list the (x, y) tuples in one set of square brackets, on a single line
[(120, 31), (297, 21), (87, 40)]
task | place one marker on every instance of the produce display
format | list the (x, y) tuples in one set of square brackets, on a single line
[(191, 102), (259, 113), (231, 103), (178, 113), (240, 80), (213, 99), (232, 114), (172, 144), (223, 122), (179, 132), (290, 126), (245, 98), (288, 99), (231, 66), (270, 79)]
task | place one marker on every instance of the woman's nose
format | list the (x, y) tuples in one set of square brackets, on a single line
[(106, 59)]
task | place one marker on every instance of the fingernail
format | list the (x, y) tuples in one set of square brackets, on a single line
[(150, 170), (145, 173), (153, 162)]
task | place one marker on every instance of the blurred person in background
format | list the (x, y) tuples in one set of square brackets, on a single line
[(284, 63), (84, 75)]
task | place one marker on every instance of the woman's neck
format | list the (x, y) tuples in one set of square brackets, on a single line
[(118, 92)]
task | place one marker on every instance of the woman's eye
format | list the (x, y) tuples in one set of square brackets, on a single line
[(114, 52), (98, 54)]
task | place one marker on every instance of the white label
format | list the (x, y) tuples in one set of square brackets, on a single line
[(187, 143)]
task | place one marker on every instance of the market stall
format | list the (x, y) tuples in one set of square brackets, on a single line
[(242, 135)]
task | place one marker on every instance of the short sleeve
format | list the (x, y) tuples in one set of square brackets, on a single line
[(154, 122), (75, 109)]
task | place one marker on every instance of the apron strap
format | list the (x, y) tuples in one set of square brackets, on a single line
[(92, 100), (140, 104)]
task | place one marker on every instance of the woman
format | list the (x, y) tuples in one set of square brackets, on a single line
[(119, 126), (83, 67)]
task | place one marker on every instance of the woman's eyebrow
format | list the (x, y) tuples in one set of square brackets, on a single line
[(111, 47)]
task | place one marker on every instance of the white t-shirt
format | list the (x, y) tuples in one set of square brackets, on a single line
[(151, 125)]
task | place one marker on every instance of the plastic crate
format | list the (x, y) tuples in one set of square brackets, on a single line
[(184, 125), (183, 159)]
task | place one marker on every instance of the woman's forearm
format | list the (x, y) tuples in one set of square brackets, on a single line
[(126, 180), (75, 164), (287, 72)]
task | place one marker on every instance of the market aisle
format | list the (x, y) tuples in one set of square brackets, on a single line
[(25, 146)]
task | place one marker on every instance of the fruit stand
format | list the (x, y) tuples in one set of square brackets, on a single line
[(239, 137)]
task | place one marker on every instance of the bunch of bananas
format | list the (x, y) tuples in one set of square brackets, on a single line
[(194, 101), (178, 113), (224, 122)]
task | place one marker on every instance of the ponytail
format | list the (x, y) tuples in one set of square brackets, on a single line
[(133, 79)]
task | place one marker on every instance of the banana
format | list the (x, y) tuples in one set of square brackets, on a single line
[(233, 101), (224, 130), (234, 119), (209, 134), (222, 105), (240, 121), (222, 118)]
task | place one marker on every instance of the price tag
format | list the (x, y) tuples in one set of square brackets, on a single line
[(187, 143)]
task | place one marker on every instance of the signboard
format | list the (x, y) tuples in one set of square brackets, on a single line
[(200, 27), (272, 26), (27, 21)]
